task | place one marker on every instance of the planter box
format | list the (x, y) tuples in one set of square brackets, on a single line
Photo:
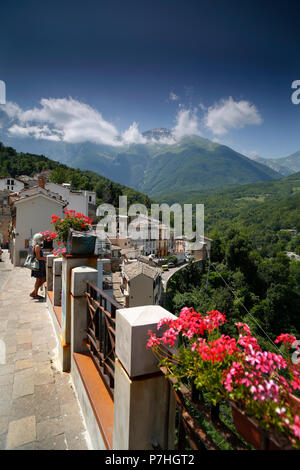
[(81, 243), (251, 432)]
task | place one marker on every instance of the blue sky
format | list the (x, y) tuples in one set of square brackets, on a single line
[(222, 68)]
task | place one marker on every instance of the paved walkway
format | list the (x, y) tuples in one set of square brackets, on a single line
[(38, 407)]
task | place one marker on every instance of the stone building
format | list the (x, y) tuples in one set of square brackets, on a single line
[(141, 284)]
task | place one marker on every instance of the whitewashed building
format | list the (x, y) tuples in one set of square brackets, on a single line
[(11, 184), (80, 201), (146, 243), (31, 213)]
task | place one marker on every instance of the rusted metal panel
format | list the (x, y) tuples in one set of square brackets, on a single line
[(101, 313)]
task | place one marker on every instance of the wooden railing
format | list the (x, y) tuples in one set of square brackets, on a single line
[(101, 323)]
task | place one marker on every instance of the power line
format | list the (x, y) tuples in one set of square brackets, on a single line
[(238, 299)]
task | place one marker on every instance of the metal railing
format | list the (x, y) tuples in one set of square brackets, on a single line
[(203, 426), (196, 420), (101, 333)]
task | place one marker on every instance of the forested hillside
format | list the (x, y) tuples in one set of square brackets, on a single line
[(250, 278), (261, 209), (16, 164)]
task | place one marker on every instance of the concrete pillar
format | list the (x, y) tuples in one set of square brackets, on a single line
[(49, 272), (57, 283), (144, 406), (79, 306), (70, 262)]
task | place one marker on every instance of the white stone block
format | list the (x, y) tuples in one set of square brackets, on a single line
[(79, 275), (132, 333), (57, 264), (50, 260), (78, 324)]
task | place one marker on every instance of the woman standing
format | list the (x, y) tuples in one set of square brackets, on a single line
[(40, 275)]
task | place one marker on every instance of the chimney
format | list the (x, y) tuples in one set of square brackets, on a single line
[(42, 181)]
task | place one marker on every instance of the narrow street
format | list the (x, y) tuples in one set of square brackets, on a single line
[(166, 275), (38, 407)]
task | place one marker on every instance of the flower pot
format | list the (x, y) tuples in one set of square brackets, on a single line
[(81, 243)]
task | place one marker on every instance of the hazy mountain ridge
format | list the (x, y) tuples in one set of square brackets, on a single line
[(285, 165), (292, 162)]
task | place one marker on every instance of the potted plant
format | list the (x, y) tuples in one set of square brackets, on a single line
[(236, 370), (74, 233)]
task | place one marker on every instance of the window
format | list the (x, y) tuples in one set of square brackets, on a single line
[(90, 198)]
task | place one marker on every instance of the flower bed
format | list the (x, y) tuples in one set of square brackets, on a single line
[(233, 369)]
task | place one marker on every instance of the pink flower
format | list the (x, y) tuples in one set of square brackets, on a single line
[(244, 327), (296, 426), (153, 340)]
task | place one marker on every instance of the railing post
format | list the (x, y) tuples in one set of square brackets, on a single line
[(57, 283), (144, 405), (79, 306), (49, 272)]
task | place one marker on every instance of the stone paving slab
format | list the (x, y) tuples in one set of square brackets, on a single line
[(38, 406)]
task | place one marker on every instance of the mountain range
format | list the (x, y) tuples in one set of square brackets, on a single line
[(157, 167), (285, 165)]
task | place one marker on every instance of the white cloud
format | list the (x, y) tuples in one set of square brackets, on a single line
[(229, 114), (63, 119), (186, 123), (69, 120), (12, 109), (133, 136), (173, 96), (37, 132), (163, 140)]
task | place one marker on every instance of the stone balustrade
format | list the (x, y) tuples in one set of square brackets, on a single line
[(141, 412), (144, 406)]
